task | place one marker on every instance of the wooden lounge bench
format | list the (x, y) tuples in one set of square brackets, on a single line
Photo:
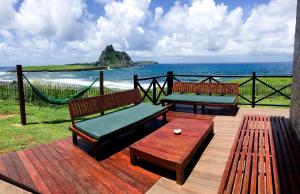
[(227, 95), (264, 158), (99, 128)]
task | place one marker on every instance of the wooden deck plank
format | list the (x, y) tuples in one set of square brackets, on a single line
[(2, 167), (70, 165), (24, 175), (11, 169), (59, 165), (47, 178), (63, 184), (106, 177), (35, 176), (79, 164)]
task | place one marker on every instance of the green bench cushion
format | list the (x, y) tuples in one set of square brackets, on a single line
[(201, 98), (103, 125)]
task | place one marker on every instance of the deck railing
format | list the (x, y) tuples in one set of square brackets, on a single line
[(254, 90)]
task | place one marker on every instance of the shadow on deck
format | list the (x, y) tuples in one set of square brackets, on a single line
[(61, 167)]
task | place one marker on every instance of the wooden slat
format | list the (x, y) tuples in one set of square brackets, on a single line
[(87, 172), (269, 173), (2, 167), (253, 185), (246, 180), (24, 175), (261, 170), (253, 168), (229, 164), (10, 168), (74, 169), (107, 178), (47, 178), (35, 176), (241, 165), (274, 159)]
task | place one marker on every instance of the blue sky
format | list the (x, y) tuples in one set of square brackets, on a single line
[(44, 32)]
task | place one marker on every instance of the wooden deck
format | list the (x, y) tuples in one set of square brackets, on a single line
[(61, 167), (207, 173)]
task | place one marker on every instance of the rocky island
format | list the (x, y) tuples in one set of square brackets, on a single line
[(114, 59), (109, 58)]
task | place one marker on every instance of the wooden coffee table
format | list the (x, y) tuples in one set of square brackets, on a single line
[(171, 151)]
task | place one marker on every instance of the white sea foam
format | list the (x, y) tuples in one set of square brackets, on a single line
[(108, 84), (2, 73)]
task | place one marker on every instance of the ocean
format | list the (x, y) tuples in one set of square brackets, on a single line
[(123, 78)]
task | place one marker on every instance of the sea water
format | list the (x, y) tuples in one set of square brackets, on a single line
[(123, 78)]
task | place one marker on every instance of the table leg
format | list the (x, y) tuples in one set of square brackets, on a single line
[(179, 174), (132, 158)]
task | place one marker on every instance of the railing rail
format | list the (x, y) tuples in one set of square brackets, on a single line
[(254, 89)]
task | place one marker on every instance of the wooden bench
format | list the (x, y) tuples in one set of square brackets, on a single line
[(98, 128), (264, 158), (227, 95)]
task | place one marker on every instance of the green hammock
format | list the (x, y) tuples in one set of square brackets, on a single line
[(58, 101)]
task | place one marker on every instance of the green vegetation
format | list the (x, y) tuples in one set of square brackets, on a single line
[(45, 124), (145, 62), (263, 90), (67, 67), (48, 123)]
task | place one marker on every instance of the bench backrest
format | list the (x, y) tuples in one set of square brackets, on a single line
[(206, 88), (93, 105)]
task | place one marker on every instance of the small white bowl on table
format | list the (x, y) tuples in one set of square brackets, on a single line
[(177, 131)]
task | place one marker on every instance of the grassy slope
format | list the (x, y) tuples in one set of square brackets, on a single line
[(41, 126), (264, 90), (60, 67)]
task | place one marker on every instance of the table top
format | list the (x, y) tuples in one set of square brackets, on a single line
[(164, 144)]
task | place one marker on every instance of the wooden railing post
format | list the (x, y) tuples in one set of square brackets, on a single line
[(170, 77), (154, 91), (101, 85), (135, 81), (21, 94), (253, 89), (209, 81)]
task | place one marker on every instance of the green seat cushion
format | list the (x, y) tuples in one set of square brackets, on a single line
[(201, 98), (103, 125)]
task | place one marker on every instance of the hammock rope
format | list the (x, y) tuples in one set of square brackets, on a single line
[(58, 101)]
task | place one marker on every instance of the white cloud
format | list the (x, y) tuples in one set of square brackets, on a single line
[(43, 32), (54, 18), (205, 28), (7, 13)]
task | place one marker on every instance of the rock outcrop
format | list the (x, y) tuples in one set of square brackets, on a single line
[(114, 59)]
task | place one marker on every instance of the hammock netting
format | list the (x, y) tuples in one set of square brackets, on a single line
[(58, 101)]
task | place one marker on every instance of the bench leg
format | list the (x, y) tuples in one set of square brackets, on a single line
[(195, 108), (179, 174), (165, 117), (95, 150), (232, 110), (203, 109), (74, 139)]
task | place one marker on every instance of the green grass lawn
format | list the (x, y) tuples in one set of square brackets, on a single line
[(45, 124), (48, 123), (67, 67)]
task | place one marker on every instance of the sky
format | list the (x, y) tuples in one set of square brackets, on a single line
[(44, 32)]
